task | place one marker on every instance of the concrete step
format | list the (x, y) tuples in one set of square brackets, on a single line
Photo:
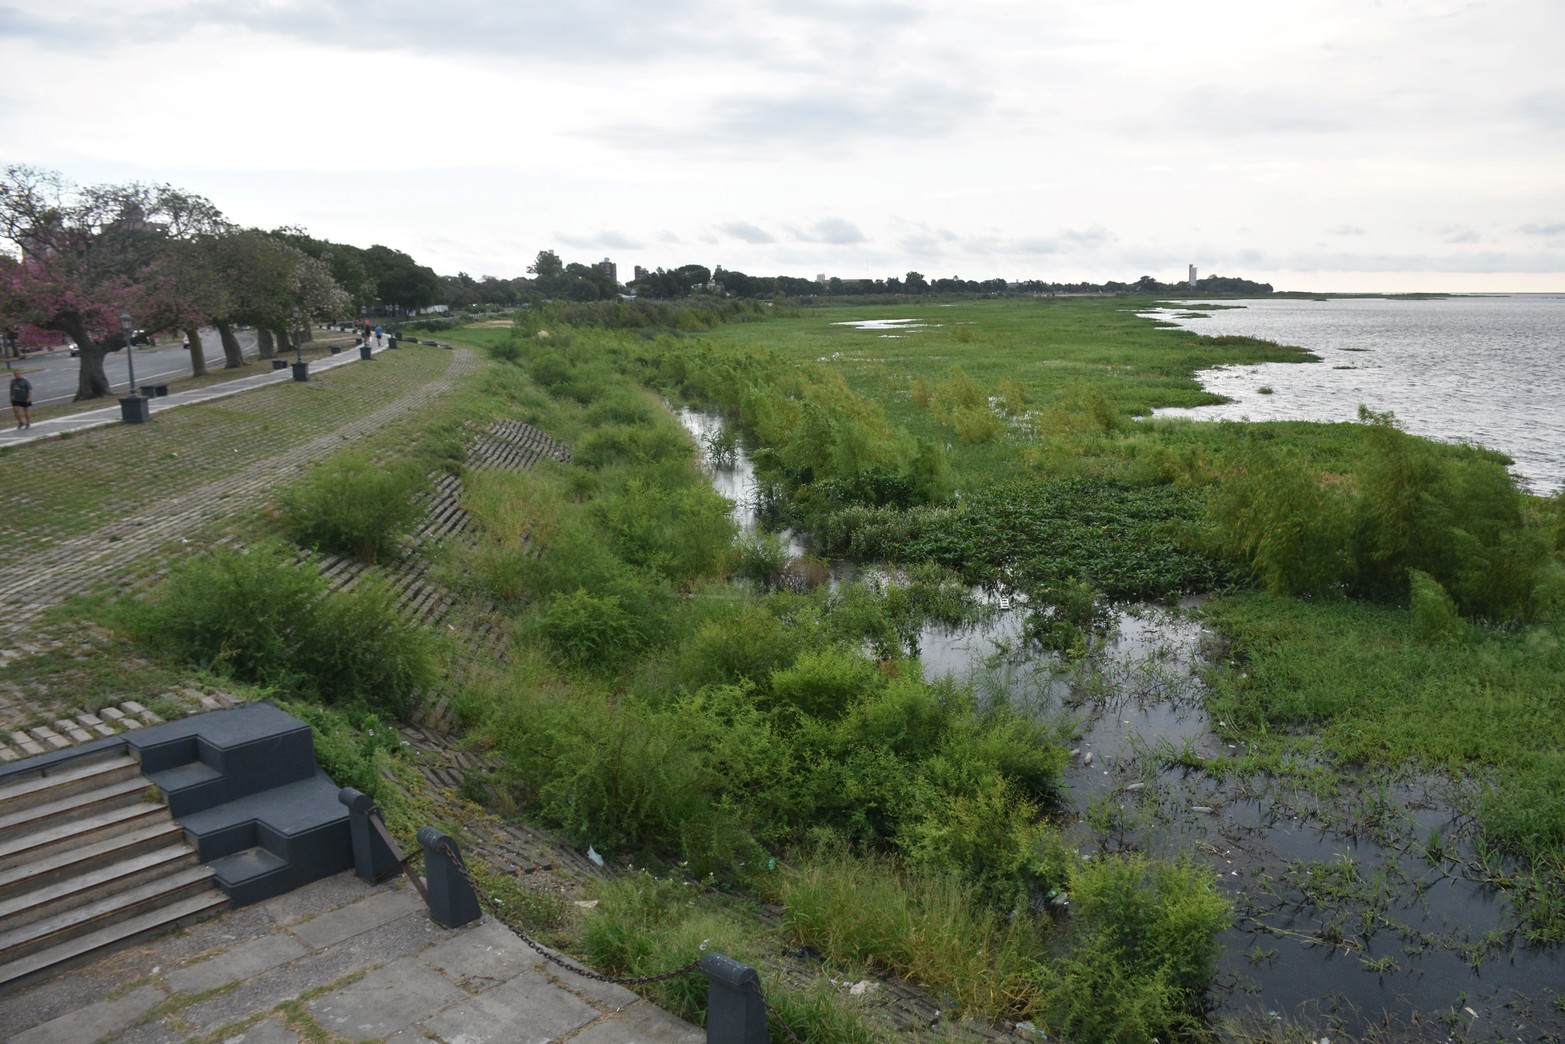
[(76, 806), (74, 951), (79, 858), (64, 780), (49, 841), (67, 925), (91, 886)]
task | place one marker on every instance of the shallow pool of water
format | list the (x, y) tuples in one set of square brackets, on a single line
[(1344, 926)]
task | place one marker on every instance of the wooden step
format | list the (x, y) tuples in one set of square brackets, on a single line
[(84, 920), (76, 806), (122, 933), (65, 779), (80, 858), (93, 885), (47, 842)]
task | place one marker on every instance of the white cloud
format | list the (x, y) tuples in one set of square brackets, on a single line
[(996, 137)]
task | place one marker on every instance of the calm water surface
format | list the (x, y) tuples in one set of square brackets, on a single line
[(1489, 370)]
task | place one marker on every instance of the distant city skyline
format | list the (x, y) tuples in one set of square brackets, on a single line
[(1327, 146)]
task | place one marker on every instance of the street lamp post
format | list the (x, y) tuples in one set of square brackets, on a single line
[(301, 369), (134, 408)]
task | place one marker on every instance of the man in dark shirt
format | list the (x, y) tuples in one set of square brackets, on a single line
[(22, 400)]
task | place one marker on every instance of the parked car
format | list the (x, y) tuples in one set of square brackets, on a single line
[(73, 348), (143, 338)]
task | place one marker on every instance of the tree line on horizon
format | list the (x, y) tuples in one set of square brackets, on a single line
[(80, 257), (554, 279)]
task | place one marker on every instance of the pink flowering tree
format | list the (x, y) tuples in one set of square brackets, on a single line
[(85, 254)]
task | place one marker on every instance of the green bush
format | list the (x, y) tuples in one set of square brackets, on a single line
[(260, 617), (362, 650), (590, 630), (244, 613), (1434, 613), (1153, 915), (354, 505), (825, 683)]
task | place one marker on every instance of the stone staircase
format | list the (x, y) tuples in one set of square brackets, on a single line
[(139, 833), (90, 859)]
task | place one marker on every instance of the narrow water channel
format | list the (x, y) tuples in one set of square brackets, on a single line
[(1357, 915)]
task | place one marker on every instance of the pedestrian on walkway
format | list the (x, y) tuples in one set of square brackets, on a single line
[(22, 400), (377, 335)]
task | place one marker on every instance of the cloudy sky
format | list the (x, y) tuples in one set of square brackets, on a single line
[(1313, 144)]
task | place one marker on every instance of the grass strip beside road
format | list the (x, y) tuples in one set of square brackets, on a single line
[(63, 487)]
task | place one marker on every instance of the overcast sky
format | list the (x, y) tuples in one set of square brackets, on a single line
[(1313, 144)]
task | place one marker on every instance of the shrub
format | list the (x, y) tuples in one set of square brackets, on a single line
[(991, 839), (261, 617), (354, 505), (361, 649), (590, 630), (1434, 613), (1156, 921), (238, 612), (824, 683)]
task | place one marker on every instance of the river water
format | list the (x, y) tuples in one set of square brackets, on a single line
[(1489, 370), (1344, 927)]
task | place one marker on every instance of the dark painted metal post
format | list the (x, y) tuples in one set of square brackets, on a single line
[(735, 1009), (373, 859), (452, 901)]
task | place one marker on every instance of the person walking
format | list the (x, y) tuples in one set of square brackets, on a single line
[(377, 335), (21, 400)]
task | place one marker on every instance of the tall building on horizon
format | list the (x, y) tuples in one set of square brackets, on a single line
[(1192, 277)]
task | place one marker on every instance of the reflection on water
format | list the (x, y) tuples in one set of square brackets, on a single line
[(1342, 921)]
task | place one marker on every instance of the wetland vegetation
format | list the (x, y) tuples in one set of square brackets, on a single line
[(1381, 611)]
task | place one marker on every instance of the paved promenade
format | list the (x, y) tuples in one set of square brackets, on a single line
[(334, 961), (11, 435)]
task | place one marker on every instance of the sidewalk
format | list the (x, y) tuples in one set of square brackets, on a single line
[(10, 435), (337, 959)]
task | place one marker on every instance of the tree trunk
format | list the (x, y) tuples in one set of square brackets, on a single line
[(197, 353), (92, 382), (233, 354), (263, 343), (284, 342)]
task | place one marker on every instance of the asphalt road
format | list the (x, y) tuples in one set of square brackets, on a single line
[(54, 375)]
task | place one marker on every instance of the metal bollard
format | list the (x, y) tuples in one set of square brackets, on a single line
[(373, 859), (452, 901), (735, 1010)]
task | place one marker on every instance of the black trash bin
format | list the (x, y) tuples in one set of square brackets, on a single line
[(134, 409), (279, 364), (364, 351)]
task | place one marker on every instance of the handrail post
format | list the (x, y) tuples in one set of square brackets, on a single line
[(373, 859), (452, 900), (735, 1009)]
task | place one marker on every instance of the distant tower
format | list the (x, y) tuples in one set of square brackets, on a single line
[(610, 269), (1192, 277)]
